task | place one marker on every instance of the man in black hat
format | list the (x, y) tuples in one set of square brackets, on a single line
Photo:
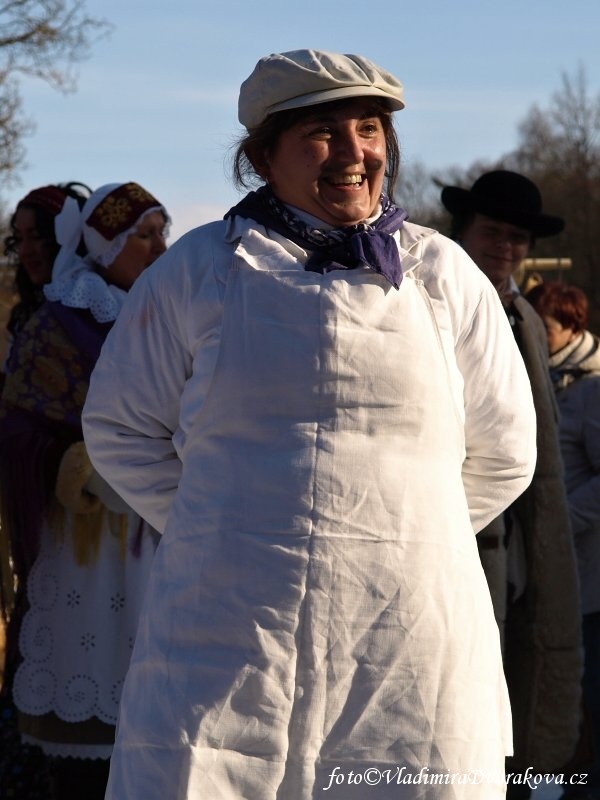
[(497, 222), (527, 554)]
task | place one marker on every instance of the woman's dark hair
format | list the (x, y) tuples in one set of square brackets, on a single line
[(44, 219), (31, 296), (567, 304), (253, 149)]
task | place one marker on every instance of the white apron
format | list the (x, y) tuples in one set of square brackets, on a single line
[(317, 606)]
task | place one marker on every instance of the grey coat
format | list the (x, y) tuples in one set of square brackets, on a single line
[(542, 656), (576, 375)]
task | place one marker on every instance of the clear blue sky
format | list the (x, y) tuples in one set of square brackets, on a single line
[(157, 100)]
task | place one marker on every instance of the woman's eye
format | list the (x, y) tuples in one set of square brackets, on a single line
[(162, 233), (369, 129), (322, 132)]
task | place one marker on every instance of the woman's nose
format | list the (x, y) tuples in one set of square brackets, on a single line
[(24, 248), (350, 148), (158, 244)]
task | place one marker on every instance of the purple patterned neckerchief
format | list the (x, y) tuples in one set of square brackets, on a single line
[(361, 245)]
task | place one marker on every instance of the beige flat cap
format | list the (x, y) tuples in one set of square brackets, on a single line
[(308, 77)]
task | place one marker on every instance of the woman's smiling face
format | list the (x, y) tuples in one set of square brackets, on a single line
[(331, 164), (35, 251)]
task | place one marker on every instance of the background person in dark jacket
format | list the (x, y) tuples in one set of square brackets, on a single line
[(527, 553), (575, 371)]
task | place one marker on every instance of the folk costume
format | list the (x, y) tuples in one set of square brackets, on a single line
[(24, 770), (81, 557)]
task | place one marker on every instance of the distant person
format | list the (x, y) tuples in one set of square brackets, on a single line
[(303, 398), (31, 248), (32, 244), (80, 555), (527, 553), (575, 371)]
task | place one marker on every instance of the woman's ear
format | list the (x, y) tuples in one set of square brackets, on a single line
[(260, 163), (263, 172), (262, 169)]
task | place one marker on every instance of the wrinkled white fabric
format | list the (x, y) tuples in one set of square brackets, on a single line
[(318, 450)]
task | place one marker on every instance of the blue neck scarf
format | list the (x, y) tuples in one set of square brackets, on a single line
[(361, 245)]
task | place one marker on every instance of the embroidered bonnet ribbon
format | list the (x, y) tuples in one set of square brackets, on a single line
[(361, 245)]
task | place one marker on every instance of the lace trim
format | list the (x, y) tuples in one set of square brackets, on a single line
[(61, 750), (86, 289)]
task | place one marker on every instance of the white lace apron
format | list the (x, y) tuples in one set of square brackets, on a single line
[(77, 636)]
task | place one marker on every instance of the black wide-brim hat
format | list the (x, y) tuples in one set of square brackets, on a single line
[(506, 196)]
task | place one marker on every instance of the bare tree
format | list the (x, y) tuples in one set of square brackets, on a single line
[(418, 190), (559, 148), (43, 39), (13, 128), (413, 189)]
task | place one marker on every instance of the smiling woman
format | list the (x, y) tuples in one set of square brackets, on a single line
[(331, 164), (311, 423), (334, 137), (32, 244)]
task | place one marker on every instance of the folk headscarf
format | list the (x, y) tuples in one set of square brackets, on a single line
[(50, 198), (106, 220)]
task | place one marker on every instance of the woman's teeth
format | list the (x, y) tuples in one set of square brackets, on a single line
[(347, 180)]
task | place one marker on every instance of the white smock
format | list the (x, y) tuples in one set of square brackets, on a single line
[(316, 607)]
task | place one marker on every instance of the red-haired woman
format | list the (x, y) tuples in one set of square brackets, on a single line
[(575, 370)]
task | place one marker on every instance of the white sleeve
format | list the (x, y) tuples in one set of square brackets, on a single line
[(500, 424), (495, 395), (130, 414), (132, 411)]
